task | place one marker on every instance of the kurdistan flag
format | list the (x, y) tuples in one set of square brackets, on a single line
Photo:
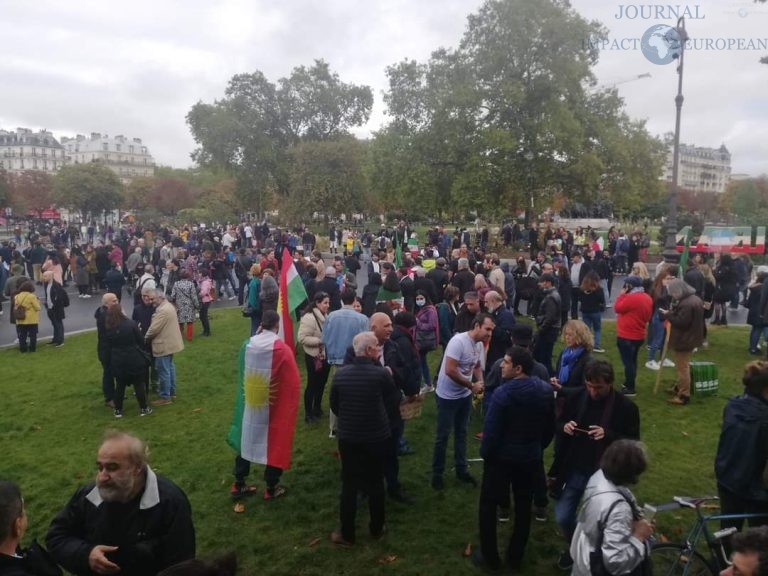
[(267, 401), (292, 294)]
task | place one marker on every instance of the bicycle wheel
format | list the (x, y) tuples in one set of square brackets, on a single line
[(675, 560)]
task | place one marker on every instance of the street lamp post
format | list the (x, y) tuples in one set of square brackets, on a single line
[(529, 210), (670, 252)]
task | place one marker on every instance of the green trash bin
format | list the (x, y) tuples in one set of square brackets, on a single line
[(704, 378)]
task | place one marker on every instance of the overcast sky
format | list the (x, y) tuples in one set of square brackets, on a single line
[(136, 68)]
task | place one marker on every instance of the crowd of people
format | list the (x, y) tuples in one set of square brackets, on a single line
[(441, 301)]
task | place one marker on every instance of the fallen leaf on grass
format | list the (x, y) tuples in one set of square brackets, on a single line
[(313, 542), (387, 559), (239, 508), (36, 428), (197, 410), (685, 433), (467, 552)]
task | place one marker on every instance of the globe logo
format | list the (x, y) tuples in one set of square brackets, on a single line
[(660, 44)]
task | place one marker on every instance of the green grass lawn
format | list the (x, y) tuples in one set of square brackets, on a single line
[(52, 418)]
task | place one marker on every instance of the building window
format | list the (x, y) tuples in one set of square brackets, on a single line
[(105, 146), (130, 149), (117, 147)]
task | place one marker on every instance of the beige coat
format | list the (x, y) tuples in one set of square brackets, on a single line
[(164, 333), (311, 332)]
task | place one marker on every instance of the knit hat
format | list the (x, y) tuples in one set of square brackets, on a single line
[(17, 270), (390, 289), (634, 281)]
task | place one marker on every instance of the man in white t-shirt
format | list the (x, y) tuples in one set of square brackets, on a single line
[(461, 375)]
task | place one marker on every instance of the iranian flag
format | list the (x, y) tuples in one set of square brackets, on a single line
[(292, 294), (267, 401)]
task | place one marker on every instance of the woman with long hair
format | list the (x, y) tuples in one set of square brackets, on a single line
[(311, 340), (127, 358), (592, 300), (427, 332), (656, 333)]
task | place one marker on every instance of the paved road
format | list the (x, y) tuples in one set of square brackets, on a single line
[(79, 315), (80, 312)]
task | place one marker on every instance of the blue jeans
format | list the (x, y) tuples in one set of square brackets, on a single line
[(166, 376), (656, 338), (628, 350), (754, 337), (424, 367), (567, 505), (594, 320), (451, 414)]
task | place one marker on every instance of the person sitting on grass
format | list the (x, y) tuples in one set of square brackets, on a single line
[(14, 561)]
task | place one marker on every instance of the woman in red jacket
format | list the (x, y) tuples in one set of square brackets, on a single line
[(633, 312)]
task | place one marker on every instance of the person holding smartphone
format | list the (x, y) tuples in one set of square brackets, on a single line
[(591, 420)]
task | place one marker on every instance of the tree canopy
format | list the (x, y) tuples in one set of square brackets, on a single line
[(252, 132), (512, 107), (89, 188)]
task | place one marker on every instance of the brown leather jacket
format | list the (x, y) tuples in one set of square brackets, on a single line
[(687, 320)]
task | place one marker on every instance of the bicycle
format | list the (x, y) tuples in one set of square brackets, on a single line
[(683, 559)]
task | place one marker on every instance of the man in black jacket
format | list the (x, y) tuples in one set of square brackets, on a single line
[(362, 395), (130, 521), (742, 451), (591, 420), (464, 280), (548, 321), (440, 279), (519, 425), (56, 300)]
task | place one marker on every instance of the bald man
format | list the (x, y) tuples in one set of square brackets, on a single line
[(107, 380)]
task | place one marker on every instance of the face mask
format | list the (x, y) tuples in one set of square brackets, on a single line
[(420, 302)]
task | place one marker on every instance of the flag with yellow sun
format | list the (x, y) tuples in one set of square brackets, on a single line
[(267, 402)]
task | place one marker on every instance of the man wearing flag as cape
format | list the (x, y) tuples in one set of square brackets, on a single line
[(265, 410)]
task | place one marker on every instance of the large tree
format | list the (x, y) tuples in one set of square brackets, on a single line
[(91, 188), (327, 177), (747, 201), (31, 191), (253, 129), (511, 109)]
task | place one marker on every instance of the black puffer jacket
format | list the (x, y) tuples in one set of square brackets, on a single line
[(362, 394)]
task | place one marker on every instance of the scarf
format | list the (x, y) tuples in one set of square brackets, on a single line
[(568, 361)]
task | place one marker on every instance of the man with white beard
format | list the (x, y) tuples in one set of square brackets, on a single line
[(130, 520)]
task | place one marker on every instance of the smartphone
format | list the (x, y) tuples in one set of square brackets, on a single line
[(649, 512), (580, 431)]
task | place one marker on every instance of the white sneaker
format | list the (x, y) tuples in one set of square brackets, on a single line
[(668, 363), (653, 365)]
